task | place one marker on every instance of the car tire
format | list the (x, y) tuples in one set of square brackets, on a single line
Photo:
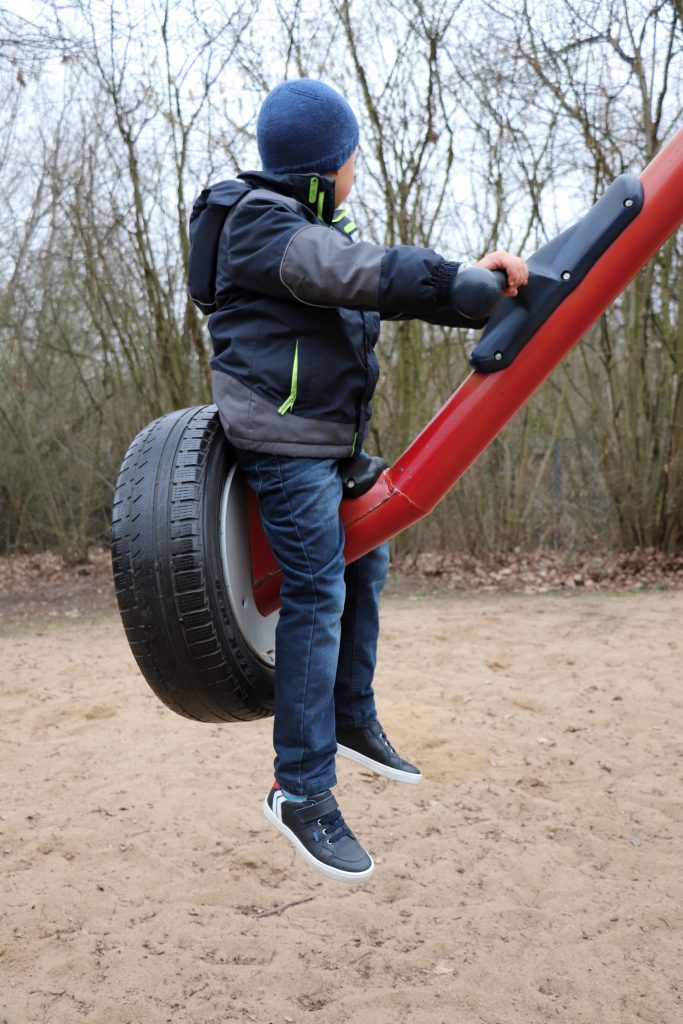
[(182, 572)]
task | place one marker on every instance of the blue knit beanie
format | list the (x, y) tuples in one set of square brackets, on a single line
[(304, 125)]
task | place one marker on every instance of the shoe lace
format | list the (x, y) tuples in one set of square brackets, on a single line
[(334, 827), (385, 739), (377, 730)]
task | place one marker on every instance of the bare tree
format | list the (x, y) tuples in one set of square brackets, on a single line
[(619, 86)]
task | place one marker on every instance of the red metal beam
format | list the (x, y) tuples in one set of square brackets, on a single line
[(484, 403)]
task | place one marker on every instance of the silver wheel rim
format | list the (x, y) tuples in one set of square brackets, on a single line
[(258, 631)]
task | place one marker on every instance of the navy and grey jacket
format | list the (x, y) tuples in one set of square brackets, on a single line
[(299, 305)]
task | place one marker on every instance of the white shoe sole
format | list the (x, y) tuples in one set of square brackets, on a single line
[(324, 869), (381, 769)]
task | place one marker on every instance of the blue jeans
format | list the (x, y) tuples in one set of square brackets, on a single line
[(326, 637)]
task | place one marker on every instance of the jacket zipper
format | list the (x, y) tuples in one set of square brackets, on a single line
[(361, 419), (289, 401)]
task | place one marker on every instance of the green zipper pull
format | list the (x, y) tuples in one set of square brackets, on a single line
[(291, 397)]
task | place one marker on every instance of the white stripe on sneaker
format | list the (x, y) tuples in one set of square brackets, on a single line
[(278, 800)]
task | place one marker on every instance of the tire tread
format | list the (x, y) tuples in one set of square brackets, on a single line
[(168, 584)]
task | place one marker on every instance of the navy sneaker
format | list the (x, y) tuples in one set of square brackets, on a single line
[(315, 827), (368, 745)]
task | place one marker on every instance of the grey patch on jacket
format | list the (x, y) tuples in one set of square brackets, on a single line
[(319, 262), (260, 193), (251, 422)]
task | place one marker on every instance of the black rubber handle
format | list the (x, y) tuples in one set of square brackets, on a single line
[(476, 291)]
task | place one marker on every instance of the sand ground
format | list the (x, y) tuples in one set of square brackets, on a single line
[(534, 876)]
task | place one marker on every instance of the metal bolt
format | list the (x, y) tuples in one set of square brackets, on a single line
[(565, 275), (628, 202), (498, 356)]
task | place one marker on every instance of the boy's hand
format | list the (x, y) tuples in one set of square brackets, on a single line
[(514, 266)]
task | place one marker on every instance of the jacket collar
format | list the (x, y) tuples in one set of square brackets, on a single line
[(313, 190)]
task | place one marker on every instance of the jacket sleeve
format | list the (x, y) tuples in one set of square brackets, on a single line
[(270, 250)]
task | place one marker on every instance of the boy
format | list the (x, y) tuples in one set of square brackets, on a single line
[(294, 370)]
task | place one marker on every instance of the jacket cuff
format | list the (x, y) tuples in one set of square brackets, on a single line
[(445, 275)]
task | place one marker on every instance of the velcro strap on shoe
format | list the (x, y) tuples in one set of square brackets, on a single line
[(317, 810)]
